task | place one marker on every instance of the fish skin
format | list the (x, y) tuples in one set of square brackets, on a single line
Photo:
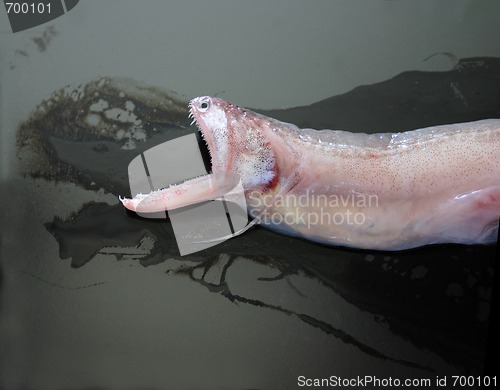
[(386, 191)]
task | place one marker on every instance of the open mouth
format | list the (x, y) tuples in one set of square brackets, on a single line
[(205, 152), (202, 142)]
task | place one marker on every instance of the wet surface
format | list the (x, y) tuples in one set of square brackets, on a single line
[(87, 134), (424, 310)]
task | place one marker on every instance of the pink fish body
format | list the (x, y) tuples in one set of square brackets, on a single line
[(386, 191)]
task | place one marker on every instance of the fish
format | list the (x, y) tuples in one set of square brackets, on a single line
[(383, 191)]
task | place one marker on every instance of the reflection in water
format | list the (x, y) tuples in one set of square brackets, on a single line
[(424, 308), (264, 281)]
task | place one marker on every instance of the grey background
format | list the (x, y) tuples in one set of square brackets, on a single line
[(258, 54)]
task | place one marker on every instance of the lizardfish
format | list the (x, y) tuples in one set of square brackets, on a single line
[(385, 191)]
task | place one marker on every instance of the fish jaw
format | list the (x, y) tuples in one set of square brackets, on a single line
[(211, 120), (200, 189), (239, 152)]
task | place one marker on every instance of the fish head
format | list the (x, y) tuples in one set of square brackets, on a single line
[(236, 140)]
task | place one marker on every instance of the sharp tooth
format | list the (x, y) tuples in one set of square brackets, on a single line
[(193, 121)]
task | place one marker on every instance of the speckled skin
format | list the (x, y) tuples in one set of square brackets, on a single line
[(380, 191)]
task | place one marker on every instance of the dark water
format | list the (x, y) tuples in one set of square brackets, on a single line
[(418, 313)]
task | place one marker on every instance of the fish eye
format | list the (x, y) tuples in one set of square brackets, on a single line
[(204, 105)]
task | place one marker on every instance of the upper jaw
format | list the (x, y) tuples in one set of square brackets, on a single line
[(205, 134)]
